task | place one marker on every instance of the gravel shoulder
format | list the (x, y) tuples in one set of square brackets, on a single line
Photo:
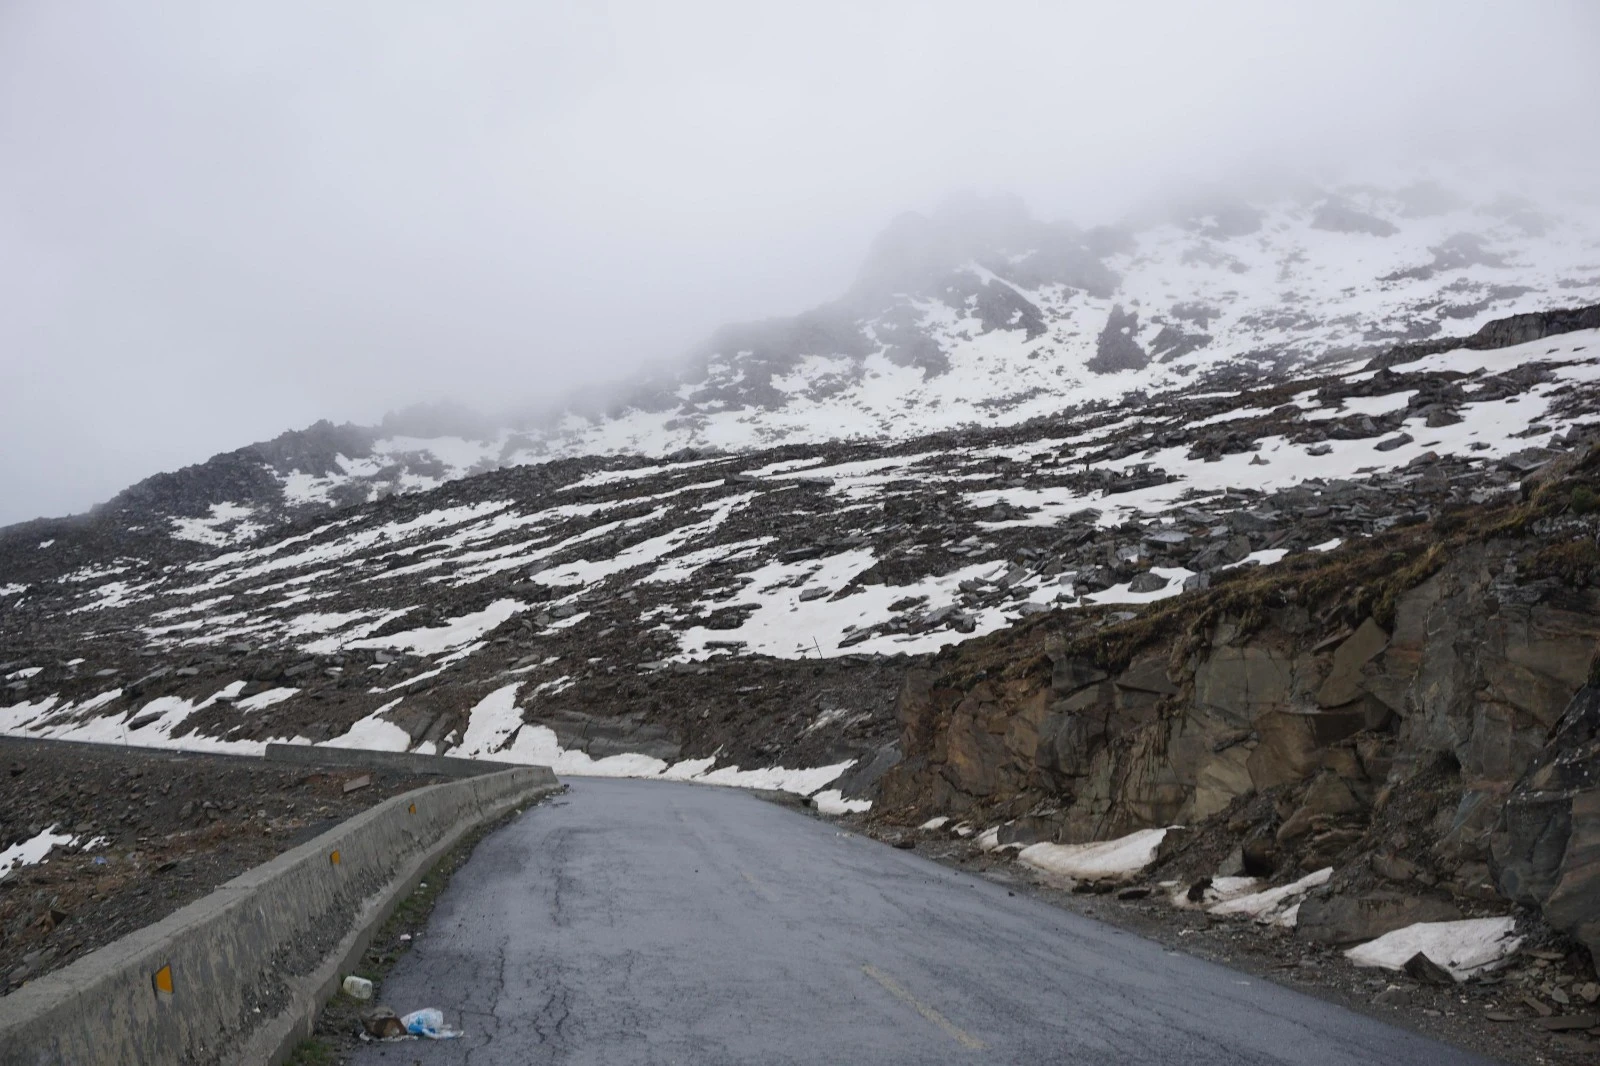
[(1457, 1015)]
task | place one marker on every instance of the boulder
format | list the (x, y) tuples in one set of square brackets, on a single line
[(860, 780), (1341, 919), (1343, 683), (1393, 442), (1148, 582), (1327, 797)]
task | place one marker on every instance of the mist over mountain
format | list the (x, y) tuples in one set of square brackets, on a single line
[(978, 314), (222, 223)]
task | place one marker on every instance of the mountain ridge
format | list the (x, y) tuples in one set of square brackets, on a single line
[(977, 314)]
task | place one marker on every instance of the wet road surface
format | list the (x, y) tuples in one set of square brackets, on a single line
[(647, 922)]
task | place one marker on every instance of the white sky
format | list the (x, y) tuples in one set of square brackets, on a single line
[(219, 221)]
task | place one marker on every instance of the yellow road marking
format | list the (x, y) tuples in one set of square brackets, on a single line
[(953, 1031)]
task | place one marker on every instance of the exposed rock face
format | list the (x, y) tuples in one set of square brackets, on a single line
[(1447, 701), (1117, 349), (1546, 847), (1340, 216), (1502, 332)]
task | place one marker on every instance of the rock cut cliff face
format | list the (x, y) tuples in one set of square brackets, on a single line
[(1407, 698), (1546, 847)]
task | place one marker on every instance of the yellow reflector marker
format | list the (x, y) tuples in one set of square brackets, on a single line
[(163, 980), (333, 857), (413, 808)]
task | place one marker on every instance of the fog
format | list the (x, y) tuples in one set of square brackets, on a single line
[(222, 221)]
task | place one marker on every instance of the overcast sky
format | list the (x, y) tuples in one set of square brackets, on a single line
[(219, 221)]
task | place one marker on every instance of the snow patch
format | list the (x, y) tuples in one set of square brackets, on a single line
[(262, 700), (1465, 948), (454, 633), (1274, 906), (373, 733), (228, 524), (1101, 860), (33, 850), (832, 801)]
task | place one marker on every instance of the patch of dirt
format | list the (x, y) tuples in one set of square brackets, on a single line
[(154, 831)]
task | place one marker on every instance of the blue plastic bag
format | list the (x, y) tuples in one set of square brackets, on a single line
[(429, 1022)]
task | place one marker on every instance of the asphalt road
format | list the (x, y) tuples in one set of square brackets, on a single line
[(645, 922)]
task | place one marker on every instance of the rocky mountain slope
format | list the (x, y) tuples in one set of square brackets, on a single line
[(1401, 731), (978, 315), (1323, 600), (753, 609), (1401, 709)]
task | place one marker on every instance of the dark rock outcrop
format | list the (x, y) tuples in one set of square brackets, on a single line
[(1501, 333), (1340, 216), (1319, 742), (1118, 349), (1546, 845)]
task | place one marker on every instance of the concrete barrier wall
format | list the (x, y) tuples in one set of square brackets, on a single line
[(404, 762), (254, 951), (8, 740)]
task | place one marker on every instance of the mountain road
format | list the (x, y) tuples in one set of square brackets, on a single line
[(649, 922)]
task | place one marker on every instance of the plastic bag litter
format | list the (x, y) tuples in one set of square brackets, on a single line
[(429, 1022)]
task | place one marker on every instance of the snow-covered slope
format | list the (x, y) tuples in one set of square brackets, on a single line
[(732, 565), (723, 611), (979, 316)]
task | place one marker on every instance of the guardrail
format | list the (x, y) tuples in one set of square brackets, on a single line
[(239, 975)]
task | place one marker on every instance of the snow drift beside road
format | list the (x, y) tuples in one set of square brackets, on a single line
[(1465, 948), (1100, 861)]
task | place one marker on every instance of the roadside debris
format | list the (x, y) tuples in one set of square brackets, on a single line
[(383, 1024), (429, 1022), (357, 987)]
